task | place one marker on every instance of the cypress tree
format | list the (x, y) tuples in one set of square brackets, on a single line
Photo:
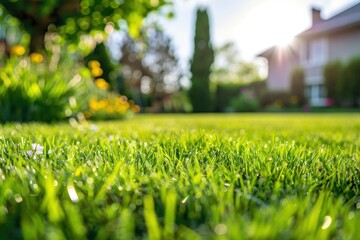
[(201, 62)]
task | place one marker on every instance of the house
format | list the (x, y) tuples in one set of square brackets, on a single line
[(336, 38)]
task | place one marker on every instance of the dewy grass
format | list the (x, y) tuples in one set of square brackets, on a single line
[(259, 176)]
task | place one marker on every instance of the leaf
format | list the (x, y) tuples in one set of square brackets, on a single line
[(151, 221)]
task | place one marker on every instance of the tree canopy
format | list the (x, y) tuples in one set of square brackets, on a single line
[(72, 18), (150, 66), (228, 68)]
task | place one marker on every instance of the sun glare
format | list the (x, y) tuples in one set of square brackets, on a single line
[(273, 23), (284, 23), (283, 40)]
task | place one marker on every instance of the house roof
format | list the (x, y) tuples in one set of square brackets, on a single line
[(267, 53), (343, 20)]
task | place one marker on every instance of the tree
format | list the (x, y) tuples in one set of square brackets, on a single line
[(150, 66), (76, 17), (228, 68), (201, 62), (298, 85)]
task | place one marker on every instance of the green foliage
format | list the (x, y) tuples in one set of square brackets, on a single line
[(202, 60), (73, 18), (229, 69), (246, 101), (40, 91), (277, 99), (342, 81), (150, 67), (10, 29), (298, 85), (248, 176), (178, 103), (226, 92), (351, 83), (332, 76), (101, 55), (106, 105)]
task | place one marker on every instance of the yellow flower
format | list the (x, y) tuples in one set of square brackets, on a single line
[(117, 102), (17, 50), (103, 103), (123, 108), (102, 84), (93, 104), (110, 109), (135, 108), (278, 103), (93, 64), (294, 99), (96, 72), (36, 57)]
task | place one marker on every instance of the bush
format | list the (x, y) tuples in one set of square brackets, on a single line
[(178, 102), (332, 77), (245, 102), (225, 93), (111, 106), (298, 86), (351, 83), (278, 99), (33, 89), (55, 87)]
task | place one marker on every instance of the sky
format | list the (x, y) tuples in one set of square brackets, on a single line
[(253, 25)]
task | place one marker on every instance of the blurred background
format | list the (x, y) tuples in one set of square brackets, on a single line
[(110, 59)]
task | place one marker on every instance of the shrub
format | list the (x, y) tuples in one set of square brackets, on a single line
[(351, 83), (111, 106), (178, 102), (298, 85), (55, 87), (34, 89), (102, 104), (277, 99), (245, 102), (332, 77), (224, 94)]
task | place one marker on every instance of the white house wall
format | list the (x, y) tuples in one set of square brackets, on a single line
[(336, 38), (280, 65), (344, 45)]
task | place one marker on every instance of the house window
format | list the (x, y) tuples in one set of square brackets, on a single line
[(316, 51), (316, 91), (316, 94)]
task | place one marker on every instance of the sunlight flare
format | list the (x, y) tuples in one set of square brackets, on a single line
[(184, 200)]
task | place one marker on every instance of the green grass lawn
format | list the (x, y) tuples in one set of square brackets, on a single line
[(252, 176)]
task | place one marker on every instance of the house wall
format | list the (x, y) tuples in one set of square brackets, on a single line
[(314, 54), (341, 45), (344, 45), (312, 51), (280, 66), (311, 61)]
